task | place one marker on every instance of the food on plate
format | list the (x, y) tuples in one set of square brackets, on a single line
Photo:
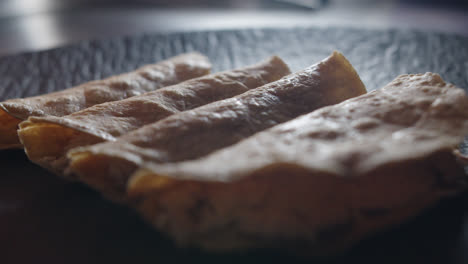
[(147, 78), (320, 182), (47, 139), (194, 133)]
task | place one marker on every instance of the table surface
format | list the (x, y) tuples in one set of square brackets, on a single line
[(42, 24), (43, 218)]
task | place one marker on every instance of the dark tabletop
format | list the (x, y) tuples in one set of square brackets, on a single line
[(43, 218), (32, 25)]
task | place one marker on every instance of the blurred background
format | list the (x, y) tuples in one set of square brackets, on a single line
[(29, 25)]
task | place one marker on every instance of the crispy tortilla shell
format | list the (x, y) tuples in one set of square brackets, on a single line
[(325, 180), (47, 139), (145, 79), (198, 132)]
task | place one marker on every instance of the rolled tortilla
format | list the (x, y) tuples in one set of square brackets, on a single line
[(47, 139), (323, 180), (197, 132), (147, 78)]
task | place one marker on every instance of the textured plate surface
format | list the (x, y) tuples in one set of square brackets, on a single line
[(44, 218)]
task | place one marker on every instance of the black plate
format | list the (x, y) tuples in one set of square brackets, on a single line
[(43, 218)]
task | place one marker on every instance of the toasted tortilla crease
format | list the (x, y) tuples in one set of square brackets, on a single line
[(145, 79), (197, 132), (325, 180), (8, 127), (47, 139)]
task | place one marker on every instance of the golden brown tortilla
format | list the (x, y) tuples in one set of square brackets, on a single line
[(147, 78), (322, 181), (197, 132), (47, 139)]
